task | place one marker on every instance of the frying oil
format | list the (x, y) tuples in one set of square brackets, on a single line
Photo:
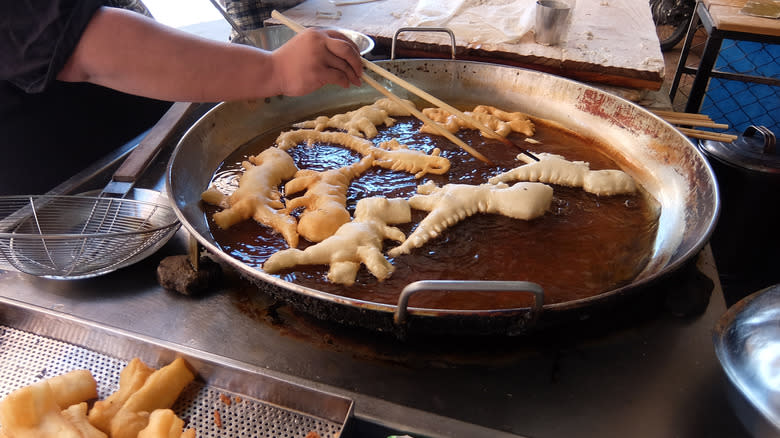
[(583, 246)]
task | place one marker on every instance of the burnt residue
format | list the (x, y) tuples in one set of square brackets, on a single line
[(599, 104), (555, 342)]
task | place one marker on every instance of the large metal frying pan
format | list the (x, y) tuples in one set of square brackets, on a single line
[(664, 161)]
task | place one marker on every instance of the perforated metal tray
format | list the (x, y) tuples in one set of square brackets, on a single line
[(258, 406)]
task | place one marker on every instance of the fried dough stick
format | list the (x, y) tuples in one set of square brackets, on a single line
[(325, 200), (519, 122), (131, 379), (361, 122), (356, 242), (73, 387), (159, 391), (555, 169), (77, 415), (258, 196), (163, 423), (32, 412), (452, 203), (388, 155), (399, 157), (500, 121)]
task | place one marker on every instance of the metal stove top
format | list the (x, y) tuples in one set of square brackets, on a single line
[(633, 374)]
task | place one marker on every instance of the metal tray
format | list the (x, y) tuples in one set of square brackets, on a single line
[(266, 406)]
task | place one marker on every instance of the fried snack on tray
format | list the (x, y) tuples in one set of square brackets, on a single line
[(555, 169), (163, 423), (361, 122), (501, 122), (325, 200), (73, 387), (452, 203), (356, 242), (258, 196), (33, 411), (131, 379), (159, 391), (388, 155), (77, 415)]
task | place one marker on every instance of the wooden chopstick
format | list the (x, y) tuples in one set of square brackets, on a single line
[(425, 119), (680, 115), (430, 98), (684, 120), (696, 122), (707, 135), (689, 119), (298, 28), (443, 105)]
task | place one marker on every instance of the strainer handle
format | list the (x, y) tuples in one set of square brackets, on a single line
[(150, 145)]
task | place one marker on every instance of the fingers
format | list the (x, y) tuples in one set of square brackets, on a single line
[(314, 58), (344, 56), (338, 35), (345, 69)]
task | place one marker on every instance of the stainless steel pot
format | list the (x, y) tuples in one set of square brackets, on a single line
[(664, 161), (746, 242), (272, 37)]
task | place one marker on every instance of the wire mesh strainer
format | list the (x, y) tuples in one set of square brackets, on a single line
[(80, 236)]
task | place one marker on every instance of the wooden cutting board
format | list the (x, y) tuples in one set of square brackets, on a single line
[(608, 42)]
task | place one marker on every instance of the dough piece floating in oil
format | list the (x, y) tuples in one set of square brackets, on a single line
[(325, 200), (356, 242), (389, 155), (258, 195), (502, 122), (555, 169), (396, 156), (452, 203), (517, 121), (361, 122)]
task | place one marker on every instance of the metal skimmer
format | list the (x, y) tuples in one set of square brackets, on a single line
[(81, 236)]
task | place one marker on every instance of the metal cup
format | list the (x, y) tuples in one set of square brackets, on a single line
[(550, 25)]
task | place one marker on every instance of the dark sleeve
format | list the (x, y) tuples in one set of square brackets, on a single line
[(38, 36)]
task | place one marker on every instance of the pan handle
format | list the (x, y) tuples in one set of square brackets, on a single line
[(148, 148), (422, 29), (402, 310)]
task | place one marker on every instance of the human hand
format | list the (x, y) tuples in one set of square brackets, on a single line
[(314, 58)]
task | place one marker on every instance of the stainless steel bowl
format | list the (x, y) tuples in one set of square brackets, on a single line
[(747, 343), (272, 37)]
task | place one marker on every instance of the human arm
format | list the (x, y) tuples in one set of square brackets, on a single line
[(132, 53)]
